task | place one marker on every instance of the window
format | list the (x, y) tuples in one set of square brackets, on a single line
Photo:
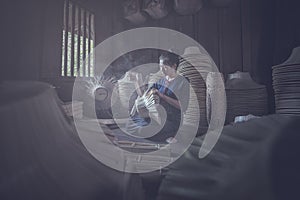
[(78, 41)]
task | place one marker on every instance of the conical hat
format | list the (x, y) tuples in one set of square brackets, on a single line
[(193, 50), (294, 58)]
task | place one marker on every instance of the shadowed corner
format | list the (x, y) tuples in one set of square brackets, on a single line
[(285, 164)]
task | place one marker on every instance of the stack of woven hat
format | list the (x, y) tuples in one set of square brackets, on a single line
[(195, 65), (126, 88), (286, 85), (73, 109), (244, 96)]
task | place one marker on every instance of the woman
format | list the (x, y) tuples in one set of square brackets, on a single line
[(173, 91)]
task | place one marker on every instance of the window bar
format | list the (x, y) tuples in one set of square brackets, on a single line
[(93, 45), (84, 43), (63, 43), (63, 53), (78, 42), (69, 39), (66, 37), (72, 40), (81, 43), (89, 45)]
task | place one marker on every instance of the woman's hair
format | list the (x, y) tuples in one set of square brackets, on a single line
[(169, 58)]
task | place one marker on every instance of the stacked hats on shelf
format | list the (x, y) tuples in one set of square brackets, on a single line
[(286, 85), (157, 9), (126, 88), (100, 91), (244, 96), (133, 11), (195, 65), (73, 109), (216, 98), (189, 7)]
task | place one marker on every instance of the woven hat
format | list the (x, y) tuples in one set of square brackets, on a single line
[(294, 58), (193, 50), (241, 81)]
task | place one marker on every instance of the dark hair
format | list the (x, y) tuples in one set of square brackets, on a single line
[(169, 58)]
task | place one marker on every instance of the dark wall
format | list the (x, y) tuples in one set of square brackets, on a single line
[(248, 35), (21, 42), (273, 30), (287, 29), (217, 29)]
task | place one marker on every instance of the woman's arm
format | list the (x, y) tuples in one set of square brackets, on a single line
[(183, 96)]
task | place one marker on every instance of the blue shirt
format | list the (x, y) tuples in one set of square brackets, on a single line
[(177, 89)]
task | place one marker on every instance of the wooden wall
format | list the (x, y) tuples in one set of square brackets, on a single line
[(272, 31), (248, 35), (218, 30), (21, 39)]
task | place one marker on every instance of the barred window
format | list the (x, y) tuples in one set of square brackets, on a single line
[(78, 41)]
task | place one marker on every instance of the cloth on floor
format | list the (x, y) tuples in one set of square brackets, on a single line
[(241, 165), (42, 156)]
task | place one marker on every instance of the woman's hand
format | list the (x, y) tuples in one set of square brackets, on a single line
[(166, 98), (157, 92)]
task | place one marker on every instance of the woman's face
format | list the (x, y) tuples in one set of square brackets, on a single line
[(167, 70)]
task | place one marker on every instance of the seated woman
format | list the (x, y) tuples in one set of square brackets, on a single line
[(173, 92)]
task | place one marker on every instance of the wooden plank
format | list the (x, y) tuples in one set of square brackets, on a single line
[(81, 43), (94, 44), (73, 39), (89, 43), (207, 33), (220, 42), (246, 36), (52, 62), (66, 37), (78, 41), (84, 43), (230, 41)]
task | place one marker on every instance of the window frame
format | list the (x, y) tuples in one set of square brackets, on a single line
[(78, 41)]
